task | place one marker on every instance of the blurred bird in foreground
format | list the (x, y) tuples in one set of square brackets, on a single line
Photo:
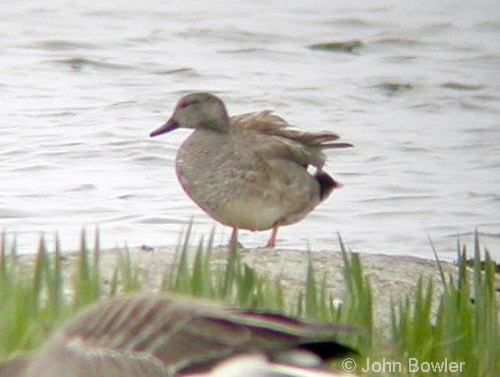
[(153, 335)]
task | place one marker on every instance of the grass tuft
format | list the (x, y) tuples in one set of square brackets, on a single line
[(464, 328)]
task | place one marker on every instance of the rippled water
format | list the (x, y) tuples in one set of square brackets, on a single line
[(81, 88)]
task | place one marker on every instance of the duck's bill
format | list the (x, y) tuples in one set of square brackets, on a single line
[(338, 145), (170, 125)]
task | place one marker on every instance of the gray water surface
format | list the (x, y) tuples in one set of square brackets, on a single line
[(82, 86)]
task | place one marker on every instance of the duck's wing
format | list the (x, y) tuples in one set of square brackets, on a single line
[(157, 335), (282, 141)]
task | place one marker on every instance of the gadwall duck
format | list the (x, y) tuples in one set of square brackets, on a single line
[(157, 335), (249, 171)]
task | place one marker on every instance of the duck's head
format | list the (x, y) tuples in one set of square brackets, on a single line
[(199, 111)]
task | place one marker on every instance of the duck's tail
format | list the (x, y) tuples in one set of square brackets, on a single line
[(326, 184)]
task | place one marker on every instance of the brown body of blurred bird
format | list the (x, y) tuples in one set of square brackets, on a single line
[(153, 335)]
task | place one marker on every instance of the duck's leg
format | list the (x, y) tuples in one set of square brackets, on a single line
[(233, 241), (272, 240)]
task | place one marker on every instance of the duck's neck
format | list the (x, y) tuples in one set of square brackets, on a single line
[(218, 124)]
